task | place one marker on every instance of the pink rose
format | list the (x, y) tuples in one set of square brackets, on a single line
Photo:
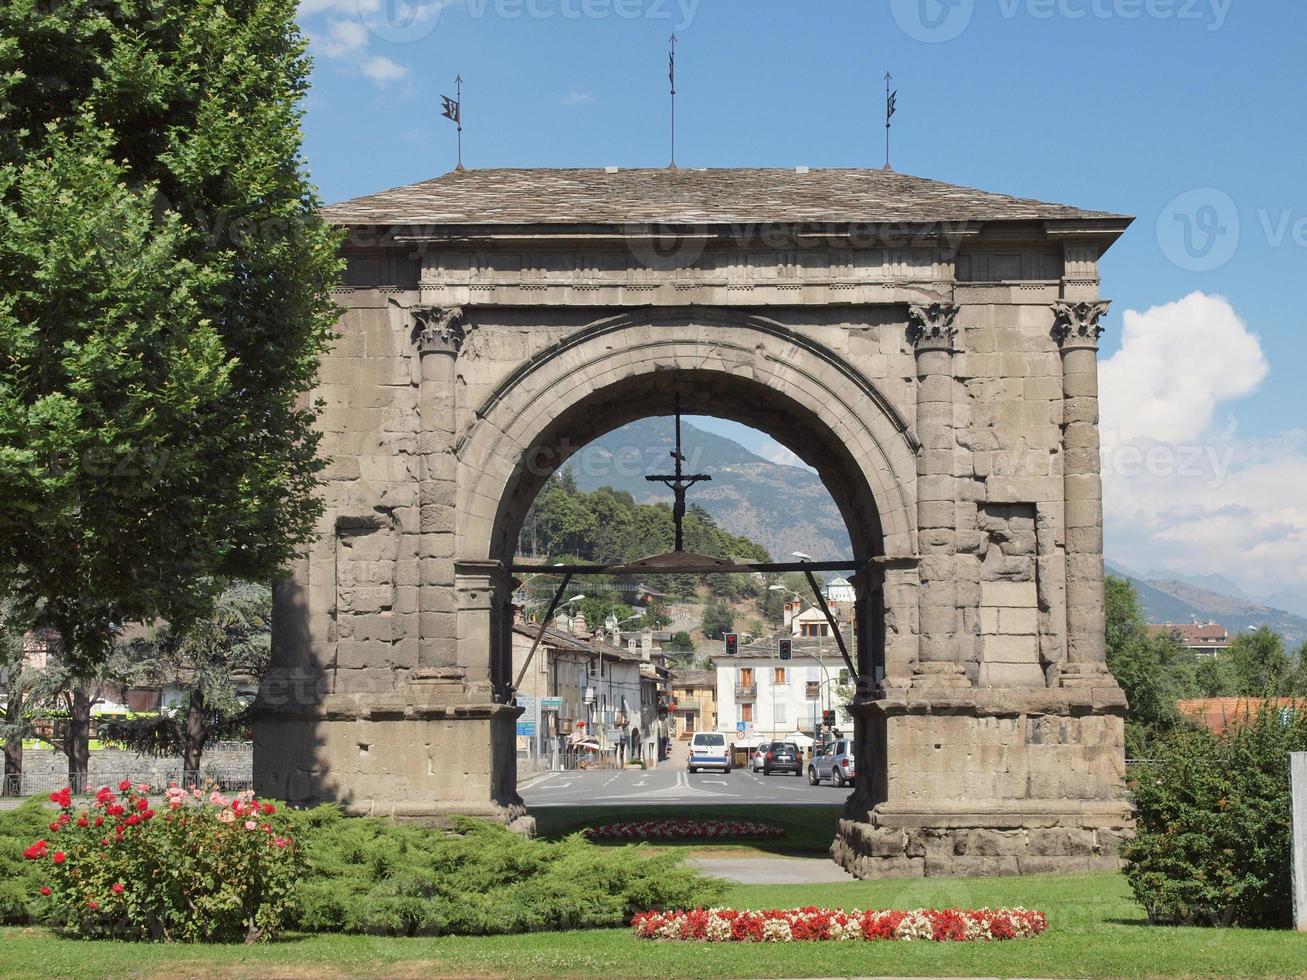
[(251, 825), (227, 816)]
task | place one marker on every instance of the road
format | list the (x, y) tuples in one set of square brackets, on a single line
[(671, 785)]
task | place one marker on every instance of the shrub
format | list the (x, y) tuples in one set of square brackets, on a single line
[(20, 880), (371, 875), (1213, 836), (812, 924), (200, 869)]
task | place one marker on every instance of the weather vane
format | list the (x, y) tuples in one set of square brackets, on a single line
[(891, 107), (678, 482), (453, 110), (671, 75)]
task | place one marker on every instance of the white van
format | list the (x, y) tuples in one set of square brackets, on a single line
[(710, 750)]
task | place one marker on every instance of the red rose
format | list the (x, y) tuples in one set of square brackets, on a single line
[(37, 850), (92, 904), (45, 889), (82, 821), (99, 821), (63, 797), (124, 786), (54, 825), (104, 795), (269, 809), (142, 803), (118, 888), (59, 857), (133, 820), (148, 814)]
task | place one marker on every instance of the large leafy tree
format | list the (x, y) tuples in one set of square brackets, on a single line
[(206, 660), (164, 297)]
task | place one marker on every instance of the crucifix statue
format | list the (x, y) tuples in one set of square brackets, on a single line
[(679, 482)]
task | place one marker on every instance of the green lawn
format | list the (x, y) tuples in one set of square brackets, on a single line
[(809, 830), (1095, 930)]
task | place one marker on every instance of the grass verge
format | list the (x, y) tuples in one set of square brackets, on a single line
[(1096, 929)]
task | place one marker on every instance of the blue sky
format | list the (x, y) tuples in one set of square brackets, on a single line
[(1186, 113)]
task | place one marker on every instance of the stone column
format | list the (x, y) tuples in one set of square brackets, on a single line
[(439, 334), (1076, 329), (931, 331)]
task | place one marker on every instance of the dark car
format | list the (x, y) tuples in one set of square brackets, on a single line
[(782, 757)]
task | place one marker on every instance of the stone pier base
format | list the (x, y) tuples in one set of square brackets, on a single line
[(418, 755), (988, 782), (983, 840)]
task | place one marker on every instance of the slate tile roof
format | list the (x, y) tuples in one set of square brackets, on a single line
[(722, 196)]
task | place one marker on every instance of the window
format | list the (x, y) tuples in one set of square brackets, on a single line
[(746, 677), (814, 629), (781, 718), (778, 677), (746, 711)]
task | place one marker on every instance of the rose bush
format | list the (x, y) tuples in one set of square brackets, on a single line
[(632, 830), (191, 868), (810, 924)]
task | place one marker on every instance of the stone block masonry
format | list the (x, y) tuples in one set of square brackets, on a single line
[(931, 352)]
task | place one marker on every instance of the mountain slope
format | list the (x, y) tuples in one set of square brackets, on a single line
[(1172, 600), (784, 508)]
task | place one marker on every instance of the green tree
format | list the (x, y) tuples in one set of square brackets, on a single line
[(1259, 664), (718, 620), (164, 298), (206, 659), (14, 682), (1155, 671)]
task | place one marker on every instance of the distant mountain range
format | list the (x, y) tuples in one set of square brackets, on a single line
[(786, 509), (783, 508), (1168, 598)]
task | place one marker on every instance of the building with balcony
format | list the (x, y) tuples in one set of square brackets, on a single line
[(770, 697), (695, 695)]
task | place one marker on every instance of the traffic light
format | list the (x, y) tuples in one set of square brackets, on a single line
[(785, 648), (732, 644), (828, 718)]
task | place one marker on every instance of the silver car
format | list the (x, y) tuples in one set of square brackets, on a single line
[(833, 761)]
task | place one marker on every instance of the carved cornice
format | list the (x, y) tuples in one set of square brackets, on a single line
[(438, 329), (931, 327), (1079, 324)]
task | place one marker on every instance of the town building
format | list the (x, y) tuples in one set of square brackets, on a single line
[(585, 694), (1219, 714), (761, 696), (1205, 639), (694, 698)]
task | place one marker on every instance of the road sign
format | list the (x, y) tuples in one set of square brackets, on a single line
[(526, 701), (739, 728), (526, 729), (551, 704)]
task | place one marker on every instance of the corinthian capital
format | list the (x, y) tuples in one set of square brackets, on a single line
[(1078, 324), (438, 329), (931, 327)]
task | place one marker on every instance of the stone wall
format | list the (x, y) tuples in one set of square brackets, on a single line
[(45, 770)]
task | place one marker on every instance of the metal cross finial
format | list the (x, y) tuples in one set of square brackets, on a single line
[(678, 482)]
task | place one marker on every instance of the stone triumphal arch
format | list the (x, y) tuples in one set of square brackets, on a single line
[(930, 350)]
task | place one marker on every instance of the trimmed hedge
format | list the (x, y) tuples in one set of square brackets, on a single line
[(1212, 845)]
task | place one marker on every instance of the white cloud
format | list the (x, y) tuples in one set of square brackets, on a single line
[(776, 453), (343, 32), (382, 70), (575, 98), (344, 37), (1176, 364), (1180, 490)]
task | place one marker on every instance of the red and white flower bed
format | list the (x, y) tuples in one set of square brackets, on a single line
[(640, 830), (812, 924)]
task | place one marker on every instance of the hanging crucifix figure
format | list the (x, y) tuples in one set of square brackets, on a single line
[(679, 482)]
